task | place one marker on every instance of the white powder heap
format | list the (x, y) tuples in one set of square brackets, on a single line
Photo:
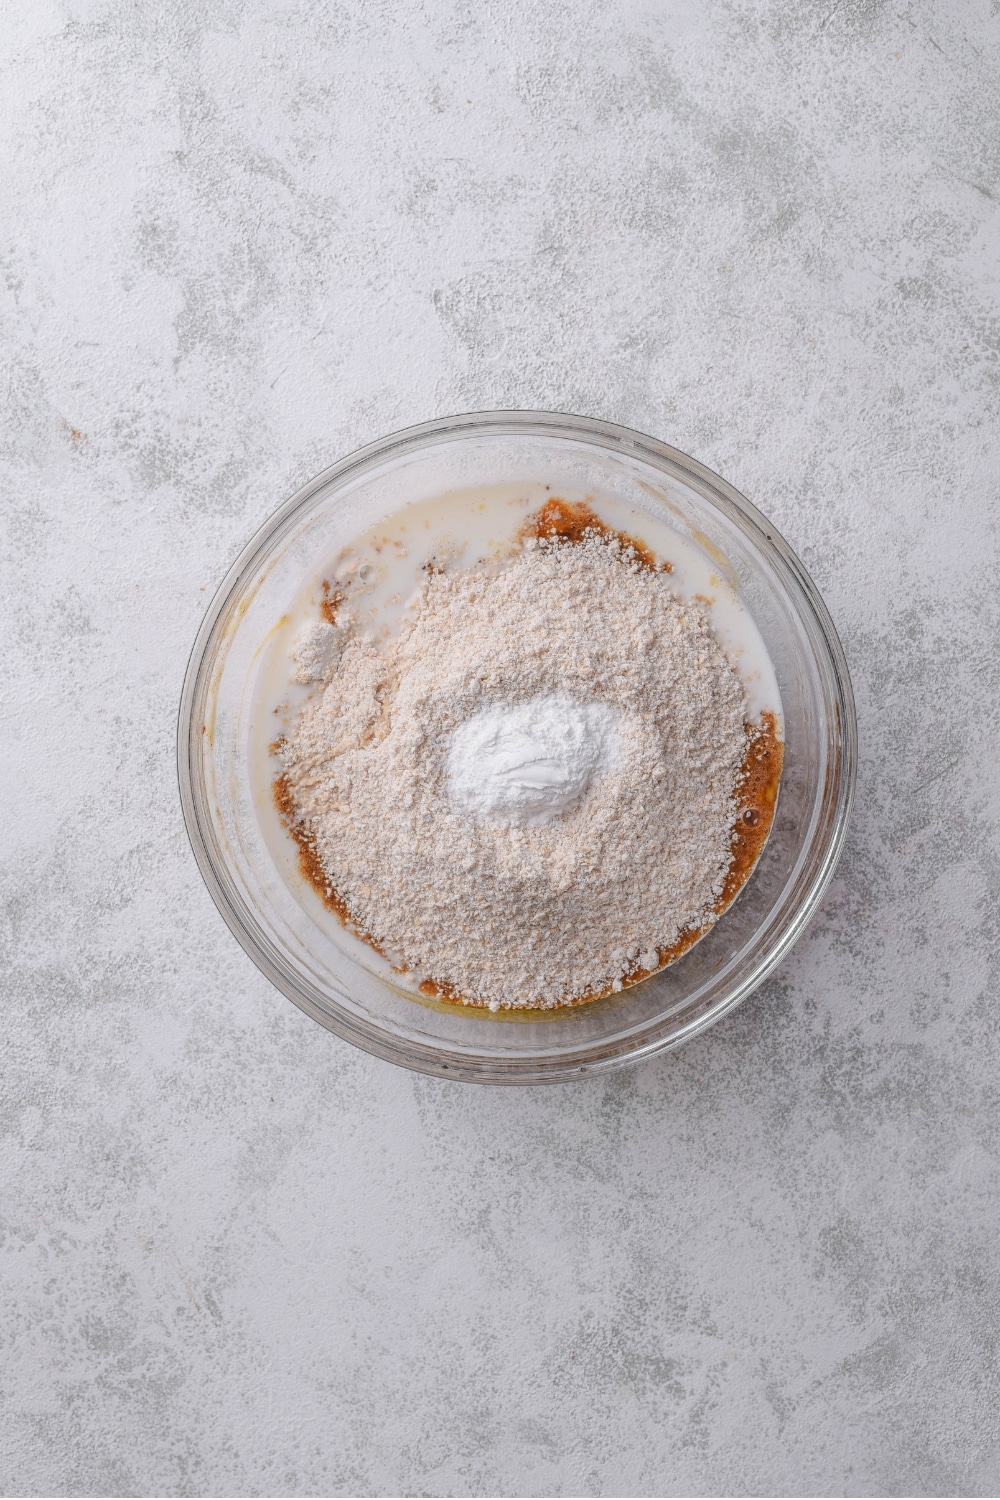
[(316, 651), (528, 795), (532, 762)]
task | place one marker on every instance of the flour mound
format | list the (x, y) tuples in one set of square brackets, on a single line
[(531, 763), (504, 885), (316, 652)]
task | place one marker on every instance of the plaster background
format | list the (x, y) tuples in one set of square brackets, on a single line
[(239, 238)]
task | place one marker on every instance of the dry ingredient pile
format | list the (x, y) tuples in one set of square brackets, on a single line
[(526, 798)]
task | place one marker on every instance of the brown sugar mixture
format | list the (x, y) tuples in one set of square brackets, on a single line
[(545, 787)]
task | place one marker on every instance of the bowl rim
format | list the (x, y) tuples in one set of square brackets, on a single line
[(200, 671)]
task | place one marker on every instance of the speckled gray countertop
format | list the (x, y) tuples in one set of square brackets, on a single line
[(240, 238)]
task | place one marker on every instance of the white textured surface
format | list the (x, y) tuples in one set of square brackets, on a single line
[(528, 764), (240, 239)]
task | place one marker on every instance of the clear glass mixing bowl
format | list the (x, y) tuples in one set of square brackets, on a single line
[(281, 924)]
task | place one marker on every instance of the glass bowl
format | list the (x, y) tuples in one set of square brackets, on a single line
[(278, 919)]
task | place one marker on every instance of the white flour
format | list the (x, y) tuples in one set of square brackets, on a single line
[(529, 793), (316, 651), (529, 763)]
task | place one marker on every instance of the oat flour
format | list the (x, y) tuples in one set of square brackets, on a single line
[(404, 770)]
